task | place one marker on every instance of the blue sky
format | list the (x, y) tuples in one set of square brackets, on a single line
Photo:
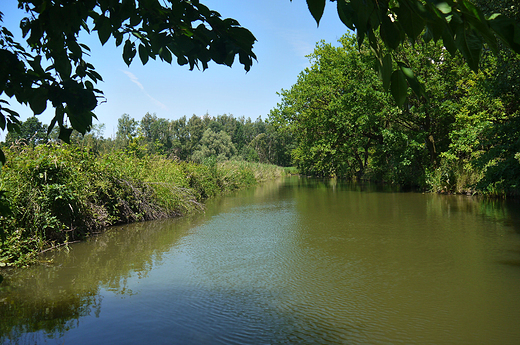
[(285, 31)]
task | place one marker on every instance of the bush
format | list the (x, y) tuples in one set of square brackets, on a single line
[(62, 193)]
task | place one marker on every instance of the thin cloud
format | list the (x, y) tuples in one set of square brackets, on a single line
[(135, 80)]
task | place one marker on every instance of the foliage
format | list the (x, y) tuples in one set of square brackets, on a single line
[(218, 145), (184, 139), (336, 111), (56, 71), (59, 194), (461, 136), (31, 132), (459, 24)]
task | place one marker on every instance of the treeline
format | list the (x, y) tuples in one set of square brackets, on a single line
[(196, 139), (462, 137)]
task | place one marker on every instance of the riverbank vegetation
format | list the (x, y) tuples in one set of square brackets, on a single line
[(460, 135), (58, 193)]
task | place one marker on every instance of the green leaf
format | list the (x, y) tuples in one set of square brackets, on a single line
[(399, 87), (104, 29), (386, 71), (411, 22), (508, 30), (38, 101), (2, 160), (2, 120), (13, 127), (143, 53), (165, 54), (415, 85), (390, 33), (128, 52), (444, 7), (345, 12), (316, 7), (65, 134), (476, 18), (470, 45)]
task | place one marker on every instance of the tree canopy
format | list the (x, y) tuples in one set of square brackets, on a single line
[(387, 24)]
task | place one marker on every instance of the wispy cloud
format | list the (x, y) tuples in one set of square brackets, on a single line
[(135, 80)]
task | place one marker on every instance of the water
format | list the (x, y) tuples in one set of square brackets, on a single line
[(294, 261)]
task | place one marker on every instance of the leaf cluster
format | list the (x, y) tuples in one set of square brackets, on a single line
[(56, 70), (460, 25)]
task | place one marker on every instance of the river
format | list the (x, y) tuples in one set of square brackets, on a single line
[(295, 261)]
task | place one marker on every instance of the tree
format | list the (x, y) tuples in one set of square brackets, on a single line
[(217, 145), (126, 130), (32, 132), (460, 25), (336, 111), (55, 70)]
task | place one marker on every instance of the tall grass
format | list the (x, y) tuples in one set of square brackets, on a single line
[(61, 193)]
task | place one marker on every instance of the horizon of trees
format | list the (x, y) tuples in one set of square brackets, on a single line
[(198, 138)]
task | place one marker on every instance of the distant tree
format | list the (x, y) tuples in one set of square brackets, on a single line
[(126, 130), (216, 145), (32, 132)]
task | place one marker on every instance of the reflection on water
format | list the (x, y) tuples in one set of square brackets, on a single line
[(297, 261)]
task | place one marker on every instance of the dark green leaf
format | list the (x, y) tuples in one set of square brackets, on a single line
[(165, 54), (410, 21), (13, 127), (399, 87), (470, 45), (316, 7), (143, 53), (128, 52), (390, 33), (508, 30), (386, 71), (104, 29), (65, 134), (2, 160), (415, 85), (476, 18), (346, 12), (2, 120), (80, 121), (38, 101)]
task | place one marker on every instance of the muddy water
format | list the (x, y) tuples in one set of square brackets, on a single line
[(294, 261)]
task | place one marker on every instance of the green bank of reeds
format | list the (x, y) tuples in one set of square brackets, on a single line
[(58, 194)]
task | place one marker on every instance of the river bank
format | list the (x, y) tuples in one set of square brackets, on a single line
[(58, 194)]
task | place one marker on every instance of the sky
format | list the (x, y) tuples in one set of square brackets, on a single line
[(285, 32)]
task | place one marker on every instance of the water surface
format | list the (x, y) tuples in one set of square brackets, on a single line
[(294, 261)]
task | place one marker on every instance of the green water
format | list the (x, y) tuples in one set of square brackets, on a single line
[(296, 261)]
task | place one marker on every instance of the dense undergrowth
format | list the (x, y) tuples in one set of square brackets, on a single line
[(58, 194)]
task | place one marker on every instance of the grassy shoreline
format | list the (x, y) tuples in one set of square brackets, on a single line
[(58, 194)]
